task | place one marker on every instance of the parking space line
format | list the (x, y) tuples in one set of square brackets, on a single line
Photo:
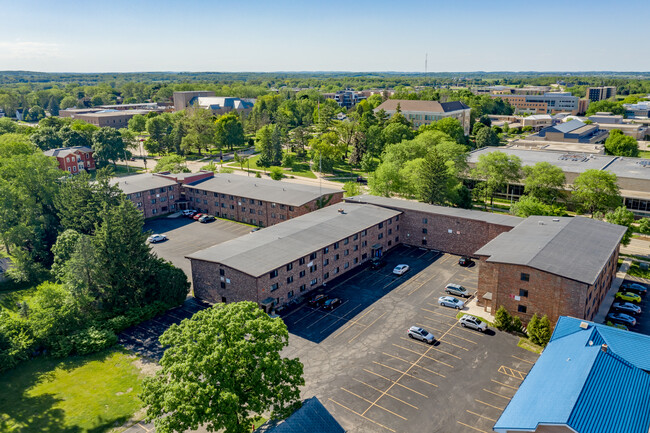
[(338, 318), (426, 356), (362, 416), (473, 428), (437, 320), (457, 336), (481, 416), (512, 372), (503, 384), (368, 401), (435, 348), (325, 314), (522, 359), (420, 286), (497, 394), (404, 373), (368, 326), (387, 395), (455, 345), (354, 322), (417, 365), (435, 312), (488, 404), (305, 316), (395, 383)]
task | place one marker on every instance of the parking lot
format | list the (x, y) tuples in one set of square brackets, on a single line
[(361, 364), (186, 236), (642, 320)]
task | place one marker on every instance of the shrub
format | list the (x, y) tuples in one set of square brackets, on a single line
[(61, 347), (92, 340), (288, 160), (533, 328), (119, 323), (644, 226), (226, 170), (516, 325), (502, 319), (258, 175), (276, 173), (351, 188), (544, 331)]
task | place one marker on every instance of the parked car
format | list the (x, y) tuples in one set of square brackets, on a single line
[(156, 238), (377, 263), (621, 318), (627, 307), (616, 325), (256, 229), (331, 304), (450, 301), (634, 288), (628, 296), (197, 216), (465, 261), (189, 213), (457, 289), (362, 180), (420, 334), (401, 269), (206, 219), (468, 321), (318, 300)]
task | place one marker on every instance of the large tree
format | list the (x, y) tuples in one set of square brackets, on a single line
[(226, 361), (497, 170), (623, 217), (620, 144), (229, 131), (543, 181), (109, 146), (435, 179), (486, 137), (596, 191)]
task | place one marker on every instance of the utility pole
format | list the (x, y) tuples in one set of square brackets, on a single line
[(426, 58)]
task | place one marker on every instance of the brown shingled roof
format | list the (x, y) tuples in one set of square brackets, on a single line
[(430, 106)]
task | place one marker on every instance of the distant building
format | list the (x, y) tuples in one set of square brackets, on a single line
[(538, 121), (223, 104), (591, 378), (74, 160), (638, 110), (608, 122), (548, 103), (182, 100), (573, 131), (347, 98), (103, 117), (596, 94), (426, 112)]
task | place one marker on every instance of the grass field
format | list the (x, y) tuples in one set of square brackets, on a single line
[(300, 169), (76, 395)]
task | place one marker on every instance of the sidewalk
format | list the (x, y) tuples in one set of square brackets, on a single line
[(475, 310), (609, 297)]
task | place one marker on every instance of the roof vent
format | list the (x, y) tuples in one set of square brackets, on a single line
[(556, 220), (584, 325), (341, 211), (541, 223), (604, 348), (591, 343)]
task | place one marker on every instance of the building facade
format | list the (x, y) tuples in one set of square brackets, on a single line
[(548, 103), (182, 100), (74, 160), (596, 94), (151, 194), (426, 112), (347, 98), (103, 118), (640, 110)]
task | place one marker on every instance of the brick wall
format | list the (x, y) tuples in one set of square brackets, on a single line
[(210, 285), (165, 200)]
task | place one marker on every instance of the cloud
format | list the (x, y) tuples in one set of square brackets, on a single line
[(22, 50)]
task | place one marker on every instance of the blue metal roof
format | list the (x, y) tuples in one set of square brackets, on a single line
[(311, 417), (594, 391), (567, 126)]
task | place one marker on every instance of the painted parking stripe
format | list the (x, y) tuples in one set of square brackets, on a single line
[(453, 335), (374, 404), (405, 373), (339, 318), (473, 428), (506, 385), (426, 356), (396, 383), (368, 326), (521, 359), (387, 395), (435, 348), (497, 394), (325, 315), (481, 416), (439, 314), (354, 322), (488, 404), (414, 363), (512, 372), (362, 416), (455, 345)]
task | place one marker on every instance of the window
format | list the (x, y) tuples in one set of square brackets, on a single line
[(346, 241), (364, 243), (223, 285), (346, 252), (282, 217), (326, 250), (356, 248), (355, 237), (425, 221), (363, 233), (313, 268), (128, 196), (273, 215), (290, 279), (381, 225), (281, 206), (525, 277), (336, 257), (272, 204), (289, 266), (139, 204), (524, 293), (312, 256), (302, 274), (356, 260), (390, 231), (290, 294), (326, 262), (290, 208), (424, 241), (153, 201), (336, 246), (274, 287), (273, 274), (326, 275), (314, 282), (390, 221), (364, 256), (347, 265), (303, 287), (521, 308), (301, 261), (336, 271), (155, 211), (424, 231), (243, 200), (397, 218), (380, 236)]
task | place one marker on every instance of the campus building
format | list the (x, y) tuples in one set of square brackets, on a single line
[(591, 378), (425, 112), (73, 159), (223, 104), (548, 103), (182, 100), (102, 118), (596, 94), (573, 131), (549, 265), (347, 98), (640, 110)]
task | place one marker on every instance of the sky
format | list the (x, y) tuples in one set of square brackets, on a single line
[(334, 35)]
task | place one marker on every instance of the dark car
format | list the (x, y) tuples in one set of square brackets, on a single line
[(626, 307), (331, 304), (622, 318), (637, 288), (465, 261), (362, 180), (318, 300), (206, 219), (256, 229), (377, 263)]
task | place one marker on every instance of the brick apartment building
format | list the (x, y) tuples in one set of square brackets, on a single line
[(548, 265), (152, 194), (73, 159), (261, 202)]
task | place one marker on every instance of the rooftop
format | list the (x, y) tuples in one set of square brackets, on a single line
[(635, 168), (263, 251), (570, 162), (595, 388), (396, 203), (141, 182), (424, 106), (111, 113), (292, 194), (311, 417), (575, 248), (65, 151)]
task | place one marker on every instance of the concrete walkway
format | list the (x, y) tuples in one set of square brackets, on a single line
[(606, 304), (472, 308)]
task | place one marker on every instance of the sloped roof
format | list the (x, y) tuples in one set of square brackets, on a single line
[(429, 106), (594, 391), (566, 127), (312, 417), (65, 151), (575, 248), (141, 182), (263, 251)]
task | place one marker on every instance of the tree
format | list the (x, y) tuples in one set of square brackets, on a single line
[(533, 329), (68, 102), (138, 123), (396, 132), (621, 145), (200, 131), (502, 319), (276, 173), (159, 129), (543, 181), (72, 137), (351, 188), (435, 179), (544, 331), (229, 131), (605, 106), (264, 145), (487, 137), (449, 126), (171, 163), (596, 191), (226, 360), (497, 170), (529, 205), (46, 138), (109, 146), (644, 226), (623, 217)]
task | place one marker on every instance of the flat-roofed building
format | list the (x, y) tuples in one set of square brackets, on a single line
[(639, 110), (223, 104), (596, 94), (426, 112), (262, 202), (151, 194), (103, 118), (182, 100), (273, 265), (548, 103), (538, 121), (573, 131), (549, 265)]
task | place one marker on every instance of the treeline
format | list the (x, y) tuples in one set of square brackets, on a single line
[(83, 242)]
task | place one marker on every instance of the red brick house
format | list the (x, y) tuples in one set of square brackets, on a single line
[(73, 159)]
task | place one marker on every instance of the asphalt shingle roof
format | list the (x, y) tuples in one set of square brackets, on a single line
[(141, 182), (263, 251), (65, 151), (292, 194), (575, 248), (429, 106)]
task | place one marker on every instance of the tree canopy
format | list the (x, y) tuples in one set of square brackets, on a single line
[(544, 181), (621, 145), (596, 191)]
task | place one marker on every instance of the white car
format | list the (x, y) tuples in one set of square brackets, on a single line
[(468, 321), (401, 269), (420, 334), (156, 238), (450, 301)]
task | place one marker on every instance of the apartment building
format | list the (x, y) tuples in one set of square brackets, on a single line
[(548, 103), (262, 202), (596, 94), (74, 160), (425, 112), (153, 195), (347, 98)]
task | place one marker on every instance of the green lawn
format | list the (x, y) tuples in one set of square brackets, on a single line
[(76, 395), (644, 154), (300, 169), (525, 343), (636, 271)]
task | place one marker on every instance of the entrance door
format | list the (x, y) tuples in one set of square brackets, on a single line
[(376, 251)]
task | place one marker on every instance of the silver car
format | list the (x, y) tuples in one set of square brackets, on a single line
[(450, 301), (472, 322), (457, 289), (420, 334), (627, 307)]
